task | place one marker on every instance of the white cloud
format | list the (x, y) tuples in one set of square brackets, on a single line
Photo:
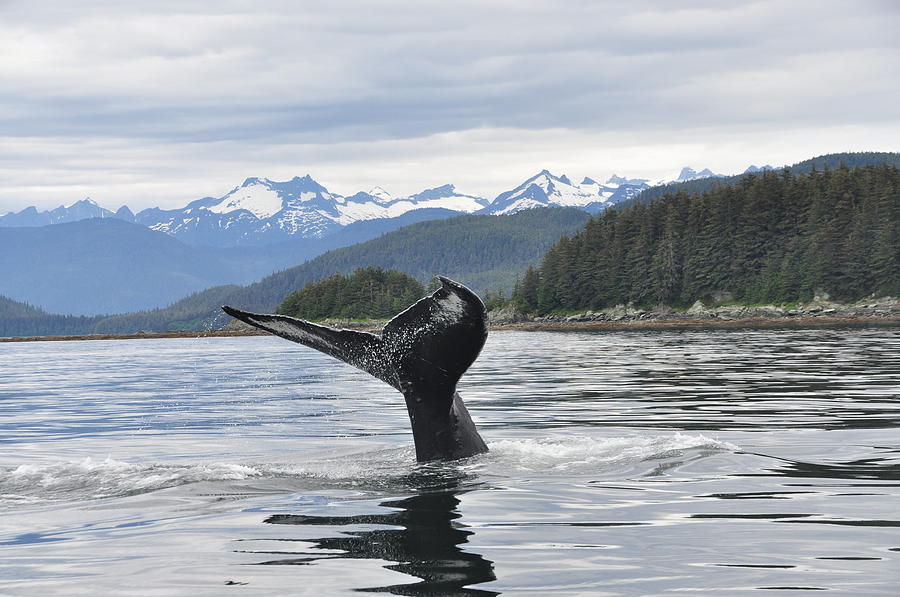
[(482, 161), (161, 102)]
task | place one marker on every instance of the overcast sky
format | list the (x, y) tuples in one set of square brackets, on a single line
[(156, 103)]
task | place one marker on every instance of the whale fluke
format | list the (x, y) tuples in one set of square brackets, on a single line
[(422, 352)]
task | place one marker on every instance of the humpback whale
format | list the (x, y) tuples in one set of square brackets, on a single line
[(422, 352)]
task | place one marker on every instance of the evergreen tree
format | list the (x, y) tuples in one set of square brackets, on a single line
[(527, 292), (773, 237)]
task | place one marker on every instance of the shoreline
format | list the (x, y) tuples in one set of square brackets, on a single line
[(137, 336), (535, 326), (711, 323)]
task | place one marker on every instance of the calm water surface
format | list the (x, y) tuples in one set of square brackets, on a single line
[(724, 462)]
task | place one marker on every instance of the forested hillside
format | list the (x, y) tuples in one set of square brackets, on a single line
[(11, 308), (775, 237), (21, 319), (482, 251), (830, 161), (367, 293)]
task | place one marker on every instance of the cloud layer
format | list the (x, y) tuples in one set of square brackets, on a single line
[(157, 103)]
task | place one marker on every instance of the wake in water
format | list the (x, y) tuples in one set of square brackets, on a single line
[(378, 470), (587, 455)]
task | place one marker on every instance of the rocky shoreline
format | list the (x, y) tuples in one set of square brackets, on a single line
[(817, 312)]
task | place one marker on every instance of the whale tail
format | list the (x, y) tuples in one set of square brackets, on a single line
[(422, 352)]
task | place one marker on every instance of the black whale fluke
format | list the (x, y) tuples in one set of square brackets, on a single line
[(422, 352)]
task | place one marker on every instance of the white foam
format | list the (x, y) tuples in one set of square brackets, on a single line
[(584, 454), (92, 479)]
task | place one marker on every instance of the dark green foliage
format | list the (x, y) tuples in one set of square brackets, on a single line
[(525, 293), (852, 160), (495, 299), (774, 237), (831, 161), (367, 293)]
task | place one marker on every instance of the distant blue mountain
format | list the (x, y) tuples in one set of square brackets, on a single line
[(106, 265), (80, 210), (262, 212), (753, 169)]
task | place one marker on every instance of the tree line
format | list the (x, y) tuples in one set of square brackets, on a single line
[(853, 159), (369, 292), (773, 237)]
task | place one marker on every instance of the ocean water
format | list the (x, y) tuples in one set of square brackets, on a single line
[(716, 462)]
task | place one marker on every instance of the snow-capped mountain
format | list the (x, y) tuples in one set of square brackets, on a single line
[(547, 190), (80, 210), (691, 174), (752, 169), (262, 211)]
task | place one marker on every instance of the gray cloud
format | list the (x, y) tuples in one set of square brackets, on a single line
[(192, 76)]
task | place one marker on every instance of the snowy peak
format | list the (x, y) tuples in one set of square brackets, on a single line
[(86, 203), (380, 194), (367, 206), (616, 180), (263, 198), (752, 169), (448, 195), (261, 210), (254, 195), (688, 173), (447, 190), (547, 190)]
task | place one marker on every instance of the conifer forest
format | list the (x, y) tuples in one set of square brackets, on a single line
[(776, 237)]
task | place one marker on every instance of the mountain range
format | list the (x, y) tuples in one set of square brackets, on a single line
[(482, 251), (263, 212), (109, 265)]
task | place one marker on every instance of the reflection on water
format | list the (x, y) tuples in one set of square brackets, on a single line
[(874, 468), (643, 463), (422, 536)]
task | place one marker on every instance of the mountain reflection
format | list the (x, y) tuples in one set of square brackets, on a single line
[(427, 545)]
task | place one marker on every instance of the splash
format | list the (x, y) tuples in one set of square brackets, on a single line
[(383, 469), (584, 454), (102, 478), (91, 478)]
